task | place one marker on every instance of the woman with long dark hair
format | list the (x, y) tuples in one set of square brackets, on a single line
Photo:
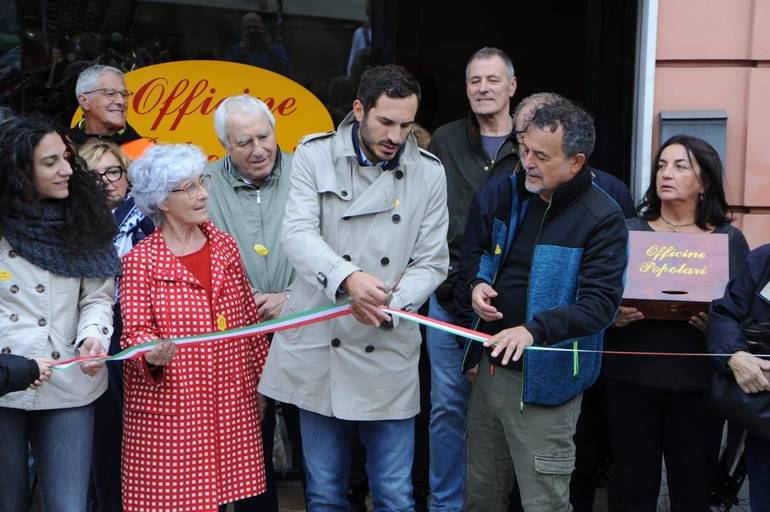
[(655, 405), (57, 269)]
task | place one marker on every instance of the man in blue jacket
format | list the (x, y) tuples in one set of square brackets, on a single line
[(548, 273)]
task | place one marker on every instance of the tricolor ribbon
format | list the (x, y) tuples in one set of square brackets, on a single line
[(285, 323), (325, 313)]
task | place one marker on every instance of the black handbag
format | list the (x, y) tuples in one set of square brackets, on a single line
[(728, 400)]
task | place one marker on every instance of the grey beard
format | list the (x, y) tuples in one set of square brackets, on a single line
[(534, 189)]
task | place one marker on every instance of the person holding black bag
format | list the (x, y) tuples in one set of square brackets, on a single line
[(739, 324)]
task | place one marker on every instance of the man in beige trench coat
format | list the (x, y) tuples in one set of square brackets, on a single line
[(366, 221)]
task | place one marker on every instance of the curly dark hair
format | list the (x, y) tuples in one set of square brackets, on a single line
[(88, 220), (577, 125), (391, 80), (713, 209)]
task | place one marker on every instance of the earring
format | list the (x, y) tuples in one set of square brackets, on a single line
[(700, 196)]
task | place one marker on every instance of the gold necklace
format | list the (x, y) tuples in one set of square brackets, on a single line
[(674, 226)]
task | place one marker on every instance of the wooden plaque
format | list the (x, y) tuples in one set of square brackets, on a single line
[(672, 276)]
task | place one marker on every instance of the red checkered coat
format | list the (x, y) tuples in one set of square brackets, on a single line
[(191, 437)]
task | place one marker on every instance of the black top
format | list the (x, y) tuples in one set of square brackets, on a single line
[(468, 167), (513, 281), (676, 373), (126, 134)]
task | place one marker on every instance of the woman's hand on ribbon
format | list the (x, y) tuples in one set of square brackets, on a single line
[(92, 347), (513, 341), (627, 315), (161, 354), (749, 371), (481, 300)]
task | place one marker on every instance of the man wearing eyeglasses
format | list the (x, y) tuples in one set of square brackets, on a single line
[(102, 95), (248, 197)]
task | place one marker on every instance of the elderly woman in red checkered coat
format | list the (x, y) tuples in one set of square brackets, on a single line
[(191, 438)]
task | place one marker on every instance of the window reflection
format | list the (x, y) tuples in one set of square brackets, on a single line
[(44, 44)]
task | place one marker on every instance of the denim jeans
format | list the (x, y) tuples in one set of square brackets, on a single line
[(449, 403), (389, 448), (758, 467), (61, 442)]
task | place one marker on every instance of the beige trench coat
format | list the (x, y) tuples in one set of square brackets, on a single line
[(45, 315), (395, 228)]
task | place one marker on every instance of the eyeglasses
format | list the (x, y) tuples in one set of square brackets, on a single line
[(193, 188), (111, 174), (112, 93)]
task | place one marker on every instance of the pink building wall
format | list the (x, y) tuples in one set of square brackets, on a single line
[(715, 55)]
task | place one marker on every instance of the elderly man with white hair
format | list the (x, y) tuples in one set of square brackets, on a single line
[(191, 441), (248, 194), (249, 189), (102, 95)]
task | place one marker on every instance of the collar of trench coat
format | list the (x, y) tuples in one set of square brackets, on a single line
[(343, 145)]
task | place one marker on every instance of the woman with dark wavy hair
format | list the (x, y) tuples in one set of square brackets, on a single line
[(655, 405), (57, 269)]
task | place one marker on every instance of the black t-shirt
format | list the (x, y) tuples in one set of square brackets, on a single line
[(513, 281)]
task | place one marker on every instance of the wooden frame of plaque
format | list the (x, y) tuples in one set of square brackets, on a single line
[(672, 276)]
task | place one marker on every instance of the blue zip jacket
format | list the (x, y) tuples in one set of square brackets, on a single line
[(575, 282)]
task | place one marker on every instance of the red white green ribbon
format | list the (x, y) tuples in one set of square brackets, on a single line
[(325, 313), (482, 337), (285, 323)]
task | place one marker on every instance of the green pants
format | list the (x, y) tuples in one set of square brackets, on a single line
[(534, 444)]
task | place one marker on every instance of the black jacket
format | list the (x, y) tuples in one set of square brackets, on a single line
[(78, 134), (16, 373), (468, 168), (747, 298), (480, 217), (575, 278)]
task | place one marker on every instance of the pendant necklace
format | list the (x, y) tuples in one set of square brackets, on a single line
[(675, 226)]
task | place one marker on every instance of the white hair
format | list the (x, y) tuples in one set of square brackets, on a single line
[(233, 104), (162, 168), (88, 77)]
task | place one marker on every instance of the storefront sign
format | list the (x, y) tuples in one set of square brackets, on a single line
[(675, 275), (175, 102)]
